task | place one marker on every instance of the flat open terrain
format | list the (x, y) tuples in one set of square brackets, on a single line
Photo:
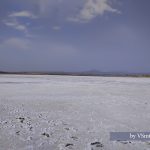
[(70, 112)]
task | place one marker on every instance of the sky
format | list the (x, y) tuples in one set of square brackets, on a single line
[(75, 35)]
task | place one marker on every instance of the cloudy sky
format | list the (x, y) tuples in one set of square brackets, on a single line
[(75, 35)]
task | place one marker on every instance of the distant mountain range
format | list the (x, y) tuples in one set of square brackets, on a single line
[(84, 73)]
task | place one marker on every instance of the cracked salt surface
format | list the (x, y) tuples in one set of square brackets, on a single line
[(68, 112)]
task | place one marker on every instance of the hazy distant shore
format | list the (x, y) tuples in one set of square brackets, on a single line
[(88, 73)]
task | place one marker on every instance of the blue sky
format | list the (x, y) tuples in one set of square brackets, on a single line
[(75, 35)]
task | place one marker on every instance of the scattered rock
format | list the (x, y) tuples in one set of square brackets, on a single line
[(29, 124), (97, 144), (30, 138), (45, 134), (5, 122), (74, 137), (21, 119), (30, 128), (65, 124), (40, 115), (124, 142), (148, 143), (68, 145), (66, 128), (18, 132)]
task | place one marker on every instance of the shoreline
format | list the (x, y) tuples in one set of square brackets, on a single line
[(78, 74)]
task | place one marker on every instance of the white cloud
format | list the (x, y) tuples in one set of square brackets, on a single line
[(46, 6), (13, 23), (91, 9), (17, 43), (56, 28), (76, 10), (26, 14)]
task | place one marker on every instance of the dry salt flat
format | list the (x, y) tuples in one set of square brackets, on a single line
[(69, 112)]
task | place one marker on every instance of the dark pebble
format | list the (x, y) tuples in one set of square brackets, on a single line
[(45, 134), (97, 144), (68, 144)]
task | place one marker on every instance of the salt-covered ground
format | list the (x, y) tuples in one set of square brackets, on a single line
[(69, 112)]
